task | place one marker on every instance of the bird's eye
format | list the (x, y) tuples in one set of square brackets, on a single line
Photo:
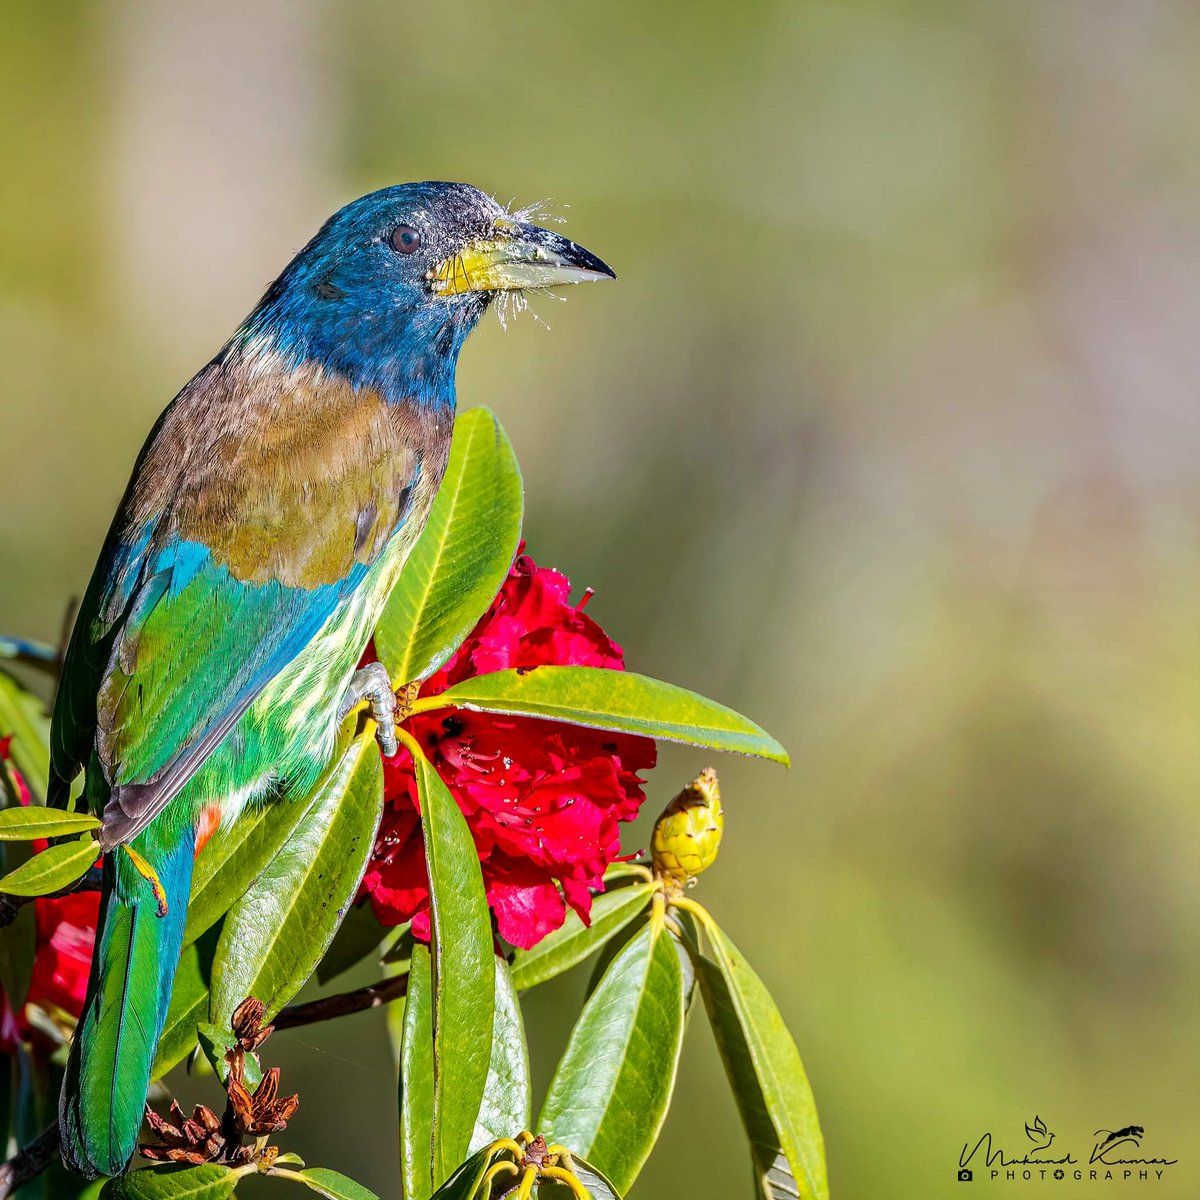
[(405, 239)]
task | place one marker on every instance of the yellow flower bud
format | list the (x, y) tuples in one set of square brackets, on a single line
[(688, 834)]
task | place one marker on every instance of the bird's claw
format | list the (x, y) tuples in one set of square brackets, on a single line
[(372, 684)]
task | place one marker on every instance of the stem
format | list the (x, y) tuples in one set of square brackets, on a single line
[(284, 1173), (374, 995), (32, 1160), (698, 911), (29, 1162), (38, 655)]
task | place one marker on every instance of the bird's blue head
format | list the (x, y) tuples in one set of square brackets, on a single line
[(387, 291)]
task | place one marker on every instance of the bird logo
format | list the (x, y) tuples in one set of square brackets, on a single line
[(1038, 1134)]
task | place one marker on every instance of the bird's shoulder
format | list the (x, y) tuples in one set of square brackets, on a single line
[(292, 476)]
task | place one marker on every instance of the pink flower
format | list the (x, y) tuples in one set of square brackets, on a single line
[(66, 931)]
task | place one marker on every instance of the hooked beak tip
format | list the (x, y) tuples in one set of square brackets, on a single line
[(520, 257)]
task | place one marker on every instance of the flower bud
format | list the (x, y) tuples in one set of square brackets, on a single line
[(688, 834)]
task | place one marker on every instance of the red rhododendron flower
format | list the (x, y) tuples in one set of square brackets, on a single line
[(66, 930), (543, 800)]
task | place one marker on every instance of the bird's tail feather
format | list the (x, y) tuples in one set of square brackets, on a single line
[(133, 968)]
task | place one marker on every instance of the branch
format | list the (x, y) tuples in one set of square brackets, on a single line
[(31, 1161), (374, 995), (28, 1163)]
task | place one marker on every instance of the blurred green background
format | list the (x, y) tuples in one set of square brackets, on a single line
[(887, 436)]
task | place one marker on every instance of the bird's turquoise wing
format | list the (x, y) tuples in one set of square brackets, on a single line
[(212, 581)]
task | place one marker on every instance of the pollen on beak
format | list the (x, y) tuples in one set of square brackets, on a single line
[(518, 257)]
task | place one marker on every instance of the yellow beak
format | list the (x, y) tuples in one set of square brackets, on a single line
[(517, 258)]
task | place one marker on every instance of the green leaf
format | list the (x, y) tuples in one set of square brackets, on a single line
[(208, 1182), (464, 1183), (216, 1042), (23, 718), (236, 855), (610, 950), (53, 869), (189, 1004), (32, 821), (331, 1184), (609, 1096), (507, 1097), (400, 951), (357, 937), (416, 1078), (456, 568), (617, 700), (766, 1074), (463, 976), (573, 941), (275, 935), (599, 1187)]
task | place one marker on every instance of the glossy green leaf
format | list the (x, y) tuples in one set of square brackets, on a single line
[(507, 1098), (208, 1182), (617, 700), (236, 855), (464, 1183), (273, 938), (32, 821), (610, 1093), (766, 1074), (189, 1004), (416, 1079), (332, 1184), (611, 949), (54, 868), (573, 941), (463, 975), (23, 717), (357, 938), (598, 1185), (400, 951), (217, 1042), (456, 568)]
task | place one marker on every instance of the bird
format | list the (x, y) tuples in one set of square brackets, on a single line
[(268, 517)]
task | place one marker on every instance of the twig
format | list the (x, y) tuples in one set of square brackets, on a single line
[(32, 654), (33, 1159), (29, 1162), (372, 996)]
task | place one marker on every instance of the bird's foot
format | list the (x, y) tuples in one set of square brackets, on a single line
[(371, 683)]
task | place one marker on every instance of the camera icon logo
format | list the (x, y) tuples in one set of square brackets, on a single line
[(965, 1175)]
